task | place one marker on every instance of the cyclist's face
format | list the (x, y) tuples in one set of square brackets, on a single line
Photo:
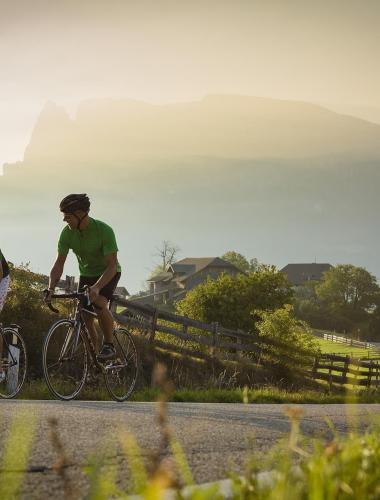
[(71, 220)]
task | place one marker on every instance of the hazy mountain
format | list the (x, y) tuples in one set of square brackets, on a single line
[(368, 113), (223, 126), (283, 181)]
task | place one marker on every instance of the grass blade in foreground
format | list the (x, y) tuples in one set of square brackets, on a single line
[(16, 454)]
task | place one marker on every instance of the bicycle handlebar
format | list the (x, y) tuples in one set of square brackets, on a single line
[(74, 295), (56, 311)]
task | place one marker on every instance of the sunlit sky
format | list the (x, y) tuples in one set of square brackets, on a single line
[(163, 51)]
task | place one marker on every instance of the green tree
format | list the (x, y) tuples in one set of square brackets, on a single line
[(346, 300), (237, 259), (241, 262), (232, 300), (374, 323), (348, 293), (349, 287)]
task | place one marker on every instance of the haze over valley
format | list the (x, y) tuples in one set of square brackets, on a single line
[(279, 180)]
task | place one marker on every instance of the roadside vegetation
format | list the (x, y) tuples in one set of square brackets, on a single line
[(333, 468), (259, 302), (38, 390)]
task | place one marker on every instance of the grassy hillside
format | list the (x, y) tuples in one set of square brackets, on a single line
[(329, 347)]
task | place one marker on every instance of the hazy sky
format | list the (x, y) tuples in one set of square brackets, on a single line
[(161, 51)]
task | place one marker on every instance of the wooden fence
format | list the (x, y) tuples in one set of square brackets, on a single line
[(342, 370), (209, 341), (341, 339), (193, 337)]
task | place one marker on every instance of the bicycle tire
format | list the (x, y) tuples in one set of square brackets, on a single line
[(11, 383), (121, 373), (60, 374)]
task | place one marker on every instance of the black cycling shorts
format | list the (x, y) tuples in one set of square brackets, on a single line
[(107, 291)]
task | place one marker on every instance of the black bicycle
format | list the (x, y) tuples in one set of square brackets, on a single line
[(69, 356), (13, 361)]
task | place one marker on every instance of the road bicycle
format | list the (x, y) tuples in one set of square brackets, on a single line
[(69, 357), (13, 361)]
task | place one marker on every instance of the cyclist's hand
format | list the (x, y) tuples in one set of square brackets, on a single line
[(94, 294), (47, 296)]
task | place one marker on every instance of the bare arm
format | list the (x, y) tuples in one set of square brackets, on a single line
[(56, 271), (109, 273)]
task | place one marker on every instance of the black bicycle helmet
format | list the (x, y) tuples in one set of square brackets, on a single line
[(74, 202)]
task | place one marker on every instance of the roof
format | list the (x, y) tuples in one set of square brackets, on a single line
[(121, 290), (161, 277), (190, 266), (195, 264), (299, 273)]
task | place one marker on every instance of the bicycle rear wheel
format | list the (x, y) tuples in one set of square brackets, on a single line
[(121, 373), (13, 362), (64, 359)]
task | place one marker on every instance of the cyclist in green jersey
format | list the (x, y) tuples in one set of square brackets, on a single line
[(94, 244)]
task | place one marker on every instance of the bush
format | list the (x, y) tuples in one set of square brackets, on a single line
[(230, 300), (24, 307), (287, 343)]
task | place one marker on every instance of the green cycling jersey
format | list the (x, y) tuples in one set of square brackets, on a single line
[(90, 245)]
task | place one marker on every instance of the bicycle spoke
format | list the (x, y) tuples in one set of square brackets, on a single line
[(13, 371), (121, 373), (65, 369)]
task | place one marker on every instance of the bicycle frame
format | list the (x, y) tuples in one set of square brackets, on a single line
[(78, 326), (77, 343)]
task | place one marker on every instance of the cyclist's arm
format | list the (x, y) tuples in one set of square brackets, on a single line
[(56, 271), (109, 273)]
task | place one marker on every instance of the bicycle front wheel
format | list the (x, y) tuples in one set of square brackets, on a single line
[(121, 373), (64, 359), (13, 363)]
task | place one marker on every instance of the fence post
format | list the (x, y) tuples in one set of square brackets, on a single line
[(346, 367), (151, 349), (330, 373), (184, 328), (153, 327), (369, 376), (237, 351), (214, 338), (315, 367)]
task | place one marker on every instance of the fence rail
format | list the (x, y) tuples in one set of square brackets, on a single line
[(342, 370), (198, 338), (341, 339)]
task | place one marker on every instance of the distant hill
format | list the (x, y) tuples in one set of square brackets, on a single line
[(279, 180), (114, 131)]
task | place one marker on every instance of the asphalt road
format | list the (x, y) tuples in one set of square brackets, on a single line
[(215, 437)]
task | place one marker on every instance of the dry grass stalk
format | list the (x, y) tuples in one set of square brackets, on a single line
[(60, 467), (162, 469)]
